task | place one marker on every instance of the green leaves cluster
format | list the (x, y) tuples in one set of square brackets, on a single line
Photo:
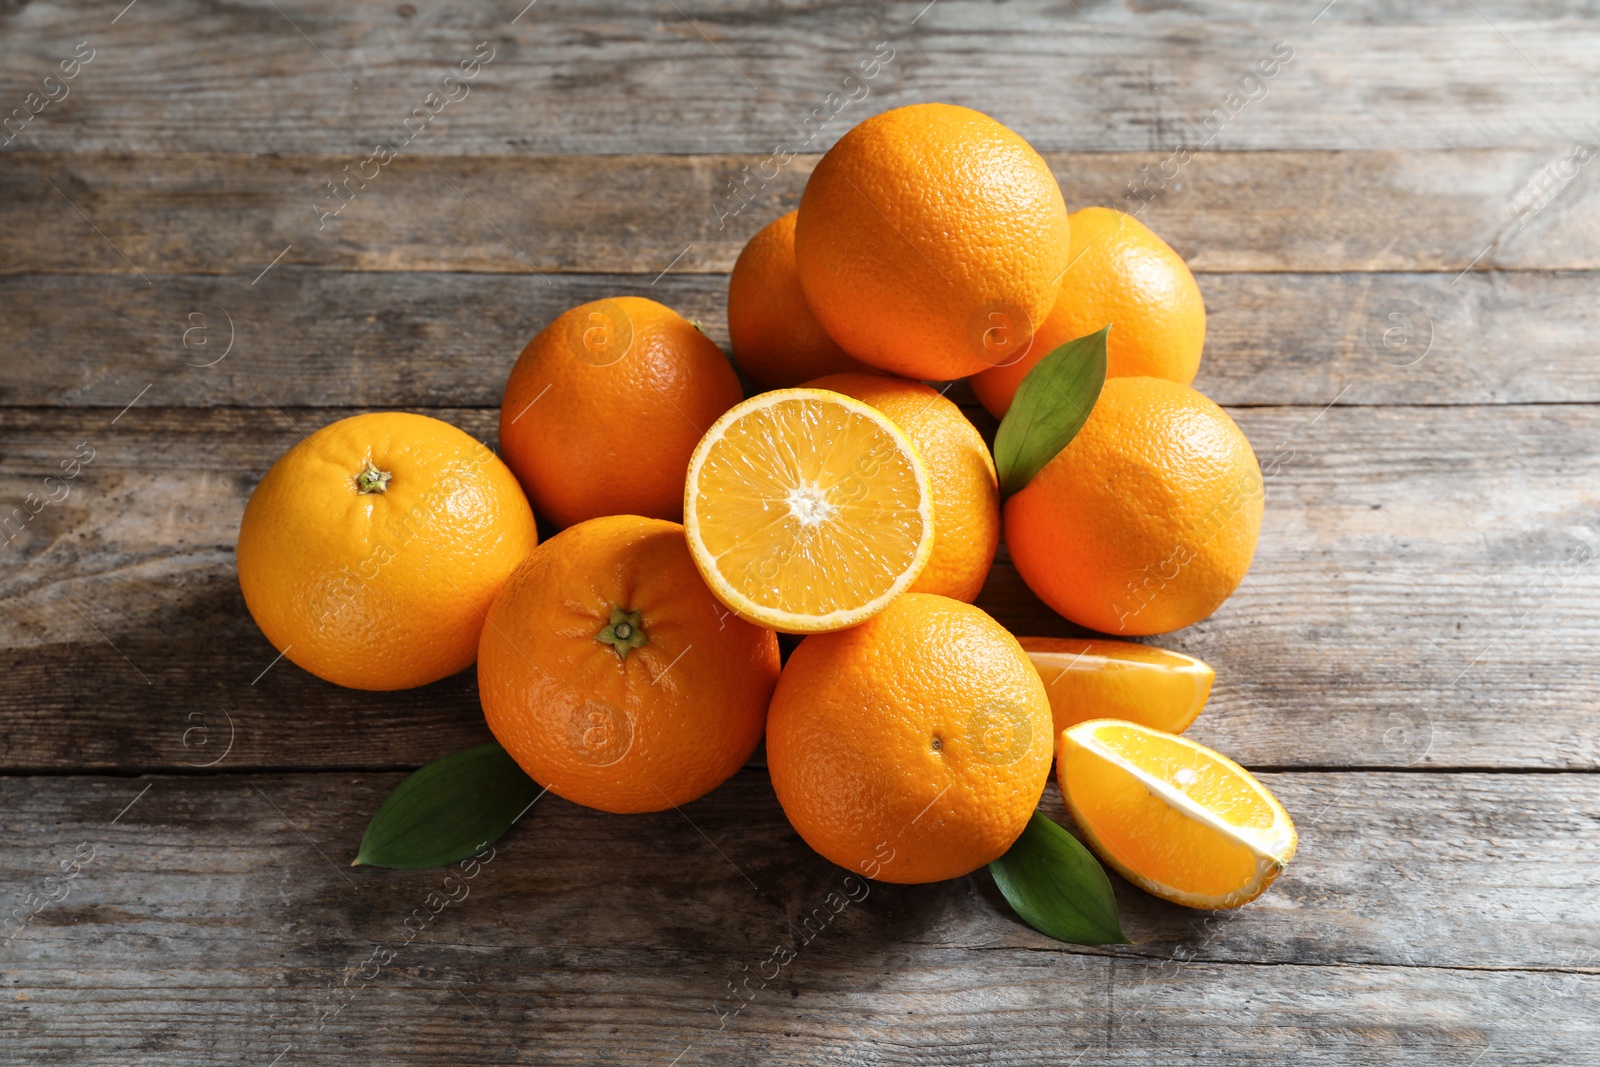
[(457, 806), (1052, 882), (1050, 407)]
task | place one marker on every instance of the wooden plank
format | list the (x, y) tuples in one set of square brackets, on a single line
[(1412, 927), (1319, 211), (422, 339), (310, 337), (1424, 595), (918, 1009), (735, 76), (1423, 610)]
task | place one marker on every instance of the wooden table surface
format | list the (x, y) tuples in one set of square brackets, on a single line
[(1397, 240)]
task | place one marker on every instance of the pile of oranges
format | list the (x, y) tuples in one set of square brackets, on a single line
[(630, 662)]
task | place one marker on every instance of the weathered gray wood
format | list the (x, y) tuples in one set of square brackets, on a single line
[(424, 339), (462, 1004), (737, 76), (1319, 211), (1425, 918), (1424, 595)]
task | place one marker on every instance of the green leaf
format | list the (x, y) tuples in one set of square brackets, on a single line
[(1050, 407), (1058, 887), (449, 810)]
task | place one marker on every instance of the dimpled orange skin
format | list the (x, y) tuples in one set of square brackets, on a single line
[(663, 725), (966, 494), (776, 339), (1148, 520), (914, 747), (381, 590), (1122, 274), (931, 241), (605, 406)]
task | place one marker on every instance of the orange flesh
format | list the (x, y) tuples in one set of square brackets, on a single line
[(1119, 680), (807, 507), (1113, 776)]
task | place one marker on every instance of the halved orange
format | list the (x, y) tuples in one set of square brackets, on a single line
[(807, 511), (1119, 680), (1175, 818)]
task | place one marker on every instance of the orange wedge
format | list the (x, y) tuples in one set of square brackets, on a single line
[(807, 511), (1119, 680), (1175, 818)]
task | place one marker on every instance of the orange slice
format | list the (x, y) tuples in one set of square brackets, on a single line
[(1175, 818), (1119, 680), (807, 511)]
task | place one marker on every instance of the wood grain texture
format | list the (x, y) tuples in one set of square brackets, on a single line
[(1305, 211), (425, 340), (1424, 595), (1424, 918), (730, 75), (1399, 258)]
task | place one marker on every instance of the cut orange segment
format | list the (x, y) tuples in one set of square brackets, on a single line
[(1175, 818), (1119, 680), (807, 511)]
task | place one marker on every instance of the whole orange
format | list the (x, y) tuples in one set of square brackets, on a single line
[(776, 339), (1147, 521), (914, 747), (370, 551), (612, 676), (606, 404), (931, 241), (966, 494), (1123, 275)]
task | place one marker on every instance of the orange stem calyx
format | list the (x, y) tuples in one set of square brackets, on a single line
[(624, 632), (372, 480)]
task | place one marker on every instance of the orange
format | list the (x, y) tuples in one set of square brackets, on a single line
[(807, 511), (605, 405), (966, 495), (1119, 680), (370, 551), (931, 242), (1148, 520), (911, 748), (612, 676), (776, 339), (1122, 275), (1173, 817)]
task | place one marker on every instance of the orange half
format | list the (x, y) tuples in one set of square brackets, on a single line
[(1175, 818), (807, 511), (1119, 680)]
